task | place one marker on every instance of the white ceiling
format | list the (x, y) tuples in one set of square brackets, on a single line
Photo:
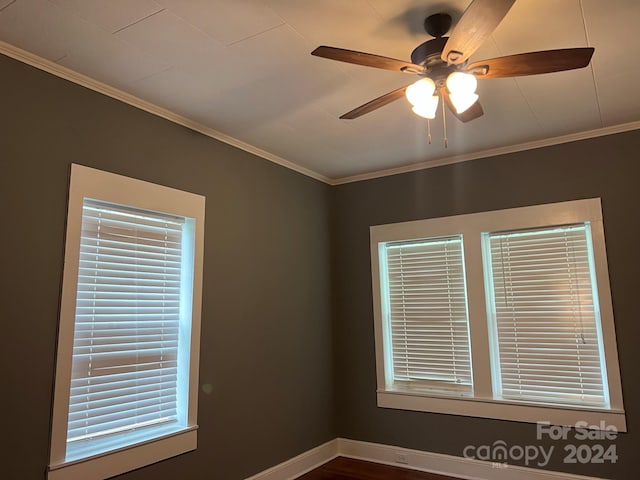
[(241, 70)]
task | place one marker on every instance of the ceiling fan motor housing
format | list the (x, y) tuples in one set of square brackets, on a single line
[(428, 53)]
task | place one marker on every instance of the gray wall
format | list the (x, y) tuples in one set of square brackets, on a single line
[(605, 167), (266, 339), (306, 331)]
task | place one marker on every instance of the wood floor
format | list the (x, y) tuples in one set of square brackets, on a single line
[(342, 468)]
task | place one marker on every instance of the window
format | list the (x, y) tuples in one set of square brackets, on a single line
[(543, 316), (503, 314), (128, 343), (427, 326)]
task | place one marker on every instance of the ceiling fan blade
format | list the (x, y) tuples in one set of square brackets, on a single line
[(473, 112), (375, 104), (478, 21), (532, 63), (366, 59)]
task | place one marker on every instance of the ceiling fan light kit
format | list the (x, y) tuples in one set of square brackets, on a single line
[(421, 95), (444, 68), (462, 90), (427, 109)]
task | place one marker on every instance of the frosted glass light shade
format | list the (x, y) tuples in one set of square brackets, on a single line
[(427, 109), (462, 87), (420, 92), (463, 101), (459, 82)]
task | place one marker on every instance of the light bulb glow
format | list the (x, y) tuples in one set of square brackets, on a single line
[(460, 82), (428, 108), (420, 92), (462, 87), (463, 101)]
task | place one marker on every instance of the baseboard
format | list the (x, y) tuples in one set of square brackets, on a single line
[(301, 464), (465, 468), (442, 464)]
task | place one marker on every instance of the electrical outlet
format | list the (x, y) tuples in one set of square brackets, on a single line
[(401, 458)]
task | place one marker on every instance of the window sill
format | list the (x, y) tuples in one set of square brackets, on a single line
[(126, 459), (501, 410)]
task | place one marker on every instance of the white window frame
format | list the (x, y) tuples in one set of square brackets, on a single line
[(111, 188), (483, 403)]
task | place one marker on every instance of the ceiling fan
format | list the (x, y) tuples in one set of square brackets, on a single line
[(444, 68)]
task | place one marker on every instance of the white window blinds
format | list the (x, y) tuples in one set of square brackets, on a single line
[(125, 349), (545, 315), (427, 314)]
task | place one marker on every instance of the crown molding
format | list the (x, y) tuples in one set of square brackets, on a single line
[(493, 152), (92, 84)]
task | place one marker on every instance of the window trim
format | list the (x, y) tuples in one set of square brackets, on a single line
[(482, 403), (86, 182)]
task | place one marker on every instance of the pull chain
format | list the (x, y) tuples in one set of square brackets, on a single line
[(444, 124), (429, 131)]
